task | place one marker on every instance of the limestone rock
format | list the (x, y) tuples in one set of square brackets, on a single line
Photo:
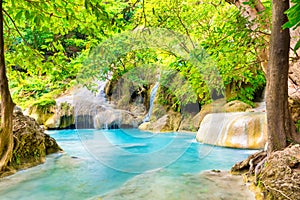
[(294, 105), (167, 123), (188, 124), (294, 78), (58, 116), (113, 118), (31, 144), (280, 175), (145, 126), (237, 130), (63, 117), (276, 176), (236, 106), (219, 106)]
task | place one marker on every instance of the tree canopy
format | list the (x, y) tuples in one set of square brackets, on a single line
[(48, 42)]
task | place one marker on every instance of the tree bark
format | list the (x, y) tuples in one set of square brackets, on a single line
[(281, 129), (7, 106)]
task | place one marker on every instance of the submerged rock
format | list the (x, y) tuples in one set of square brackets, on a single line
[(237, 130), (31, 144)]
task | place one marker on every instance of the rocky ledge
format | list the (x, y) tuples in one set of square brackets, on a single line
[(31, 144), (276, 176)]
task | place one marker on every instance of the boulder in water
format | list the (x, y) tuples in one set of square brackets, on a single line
[(236, 106), (31, 144), (167, 123)]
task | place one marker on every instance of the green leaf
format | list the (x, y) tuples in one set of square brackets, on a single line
[(19, 15), (297, 46)]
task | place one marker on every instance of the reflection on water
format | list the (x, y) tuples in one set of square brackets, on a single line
[(98, 161)]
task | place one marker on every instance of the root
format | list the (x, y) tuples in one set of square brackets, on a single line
[(259, 167), (276, 190)]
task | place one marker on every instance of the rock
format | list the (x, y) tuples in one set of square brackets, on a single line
[(113, 118), (42, 110), (167, 123), (188, 124), (277, 175), (216, 106), (53, 116), (219, 106), (236, 106), (31, 144), (280, 175), (294, 106), (237, 130), (62, 118), (294, 78), (145, 126)]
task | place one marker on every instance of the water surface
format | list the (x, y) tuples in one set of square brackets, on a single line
[(105, 163)]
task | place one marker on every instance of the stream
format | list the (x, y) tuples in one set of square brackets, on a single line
[(127, 164)]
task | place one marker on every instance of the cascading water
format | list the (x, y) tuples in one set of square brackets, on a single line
[(88, 105), (237, 130), (152, 97)]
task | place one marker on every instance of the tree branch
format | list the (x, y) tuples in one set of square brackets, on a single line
[(185, 28), (18, 31), (144, 13)]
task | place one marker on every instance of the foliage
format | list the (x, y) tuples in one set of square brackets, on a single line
[(215, 26), (294, 19), (43, 105), (46, 42), (298, 126), (202, 47)]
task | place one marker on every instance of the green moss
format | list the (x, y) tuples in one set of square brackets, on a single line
[(298, 126), (43, 105)]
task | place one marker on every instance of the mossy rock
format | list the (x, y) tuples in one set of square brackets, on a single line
[(31, 144), (42, 110), (236, 106)]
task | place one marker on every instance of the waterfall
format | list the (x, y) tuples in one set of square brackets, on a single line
[(261, 103), (152, 97), (237, 130), (88, 105)]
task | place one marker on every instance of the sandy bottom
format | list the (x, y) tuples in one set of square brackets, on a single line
[(207, 185)]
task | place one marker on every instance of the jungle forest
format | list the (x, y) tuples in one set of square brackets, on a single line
[(146, 99)]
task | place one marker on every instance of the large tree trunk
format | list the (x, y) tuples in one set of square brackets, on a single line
[(7, 106), (281, 129)]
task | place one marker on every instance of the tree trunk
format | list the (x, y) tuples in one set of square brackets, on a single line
[(7, 106), (281, 129)]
